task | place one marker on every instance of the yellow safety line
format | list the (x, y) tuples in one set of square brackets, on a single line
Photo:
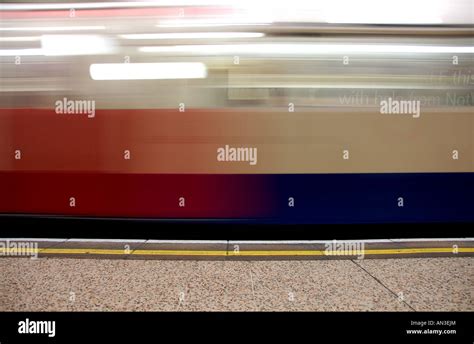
[(244, 253), (82, 251), (356, 253), (180, 252)]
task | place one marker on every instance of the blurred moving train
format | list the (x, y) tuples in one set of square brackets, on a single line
[(115, 91)]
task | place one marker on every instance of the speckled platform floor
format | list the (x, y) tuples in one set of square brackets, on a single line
[(409, 284)]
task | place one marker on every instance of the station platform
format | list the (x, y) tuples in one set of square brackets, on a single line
[(236, 250), (152, 275)]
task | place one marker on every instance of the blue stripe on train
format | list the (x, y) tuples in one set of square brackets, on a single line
[(373, 197)]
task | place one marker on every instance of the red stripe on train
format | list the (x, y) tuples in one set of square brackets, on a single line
[(135, 195)]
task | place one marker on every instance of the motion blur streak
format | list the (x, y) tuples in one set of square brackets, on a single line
[(142, 71), (192, 35), (304, 49)]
